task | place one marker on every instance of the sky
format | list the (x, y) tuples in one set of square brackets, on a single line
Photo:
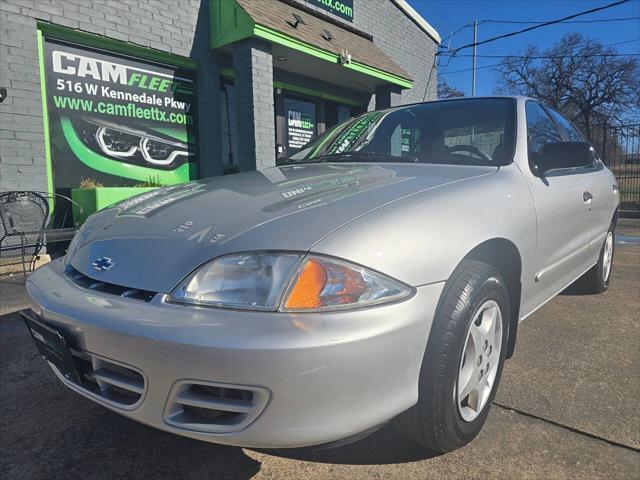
[(447, 16)]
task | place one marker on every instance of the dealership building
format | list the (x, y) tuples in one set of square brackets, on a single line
[(147, 92)]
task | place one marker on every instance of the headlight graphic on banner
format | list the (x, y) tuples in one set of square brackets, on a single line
[(118, 120)]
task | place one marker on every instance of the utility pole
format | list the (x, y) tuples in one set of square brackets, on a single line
[(473, 70)]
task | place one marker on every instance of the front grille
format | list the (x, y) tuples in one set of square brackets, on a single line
[(214, 407), (115, 383), (89, 283)]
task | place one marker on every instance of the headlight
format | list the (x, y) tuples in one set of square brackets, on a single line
[(253, 281), (287, 282), (129, 144)]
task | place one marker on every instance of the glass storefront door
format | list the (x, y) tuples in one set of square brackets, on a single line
[(300, 118), (301, 123)]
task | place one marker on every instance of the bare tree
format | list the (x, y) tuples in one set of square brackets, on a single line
[(447, 91), (590, 83)]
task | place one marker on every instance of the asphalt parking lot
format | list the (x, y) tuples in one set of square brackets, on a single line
[(568, 407)]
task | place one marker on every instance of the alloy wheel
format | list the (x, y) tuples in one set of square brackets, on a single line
[(480, 360), (607, 256)]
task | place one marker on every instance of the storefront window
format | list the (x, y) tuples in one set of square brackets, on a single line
[(343, 114), (300, 116)]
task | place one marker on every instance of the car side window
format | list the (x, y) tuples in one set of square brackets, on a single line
[(540, 131), (572, 134)]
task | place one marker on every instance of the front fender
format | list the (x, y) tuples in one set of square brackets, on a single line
[(420, 239)]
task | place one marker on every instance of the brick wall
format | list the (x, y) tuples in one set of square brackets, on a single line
[(159, 24), (253, 65), (21, 130), (400, 38)]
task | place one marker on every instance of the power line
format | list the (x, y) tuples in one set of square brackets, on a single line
[(534, 27), (553, 56), (457, 31), (570, 21), (537, 57), (480, 22), (623, 42), (469, 69), (524, 56)]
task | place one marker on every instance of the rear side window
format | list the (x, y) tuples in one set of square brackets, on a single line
[(572, 134)]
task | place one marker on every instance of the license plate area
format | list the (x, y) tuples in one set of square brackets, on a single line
[(52, 345)]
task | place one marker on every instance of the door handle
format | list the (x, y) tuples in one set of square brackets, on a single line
[(587, 197)]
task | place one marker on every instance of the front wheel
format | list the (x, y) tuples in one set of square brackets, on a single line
[(463, 361)]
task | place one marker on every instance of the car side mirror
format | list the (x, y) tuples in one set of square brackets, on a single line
[(558, 155)]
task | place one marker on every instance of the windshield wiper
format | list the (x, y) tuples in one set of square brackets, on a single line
[(335, 157), (363, 156), (330, 157), (352, 156)]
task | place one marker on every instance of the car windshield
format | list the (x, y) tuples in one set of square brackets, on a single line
[(477, 131)]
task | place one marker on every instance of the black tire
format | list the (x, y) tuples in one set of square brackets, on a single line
[(596, 280), (435, 420)]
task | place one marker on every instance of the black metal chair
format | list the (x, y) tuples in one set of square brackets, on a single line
[(26, 226), (23, 218)]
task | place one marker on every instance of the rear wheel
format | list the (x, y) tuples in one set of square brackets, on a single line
[(463, 362), (596, 280)]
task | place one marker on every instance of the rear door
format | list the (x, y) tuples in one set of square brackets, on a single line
[(562, 247)]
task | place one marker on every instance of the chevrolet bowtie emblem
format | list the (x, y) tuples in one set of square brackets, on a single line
[(103, 263)]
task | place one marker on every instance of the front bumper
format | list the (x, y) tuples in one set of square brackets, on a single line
[(321, 376)]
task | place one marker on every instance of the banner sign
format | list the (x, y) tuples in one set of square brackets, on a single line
[(340, 8), (118, 120)]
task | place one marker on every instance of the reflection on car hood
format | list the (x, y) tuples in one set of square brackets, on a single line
[(156, 239)]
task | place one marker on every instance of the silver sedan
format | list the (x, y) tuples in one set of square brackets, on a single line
[(377, 274)]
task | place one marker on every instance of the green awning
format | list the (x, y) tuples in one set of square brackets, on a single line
[(271, 20)]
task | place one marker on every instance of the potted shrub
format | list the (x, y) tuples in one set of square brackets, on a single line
[(93, 196)]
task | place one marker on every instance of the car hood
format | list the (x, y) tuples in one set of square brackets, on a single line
[(155, 239)]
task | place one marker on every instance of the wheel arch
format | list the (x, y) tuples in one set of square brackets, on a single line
[(505, 256)]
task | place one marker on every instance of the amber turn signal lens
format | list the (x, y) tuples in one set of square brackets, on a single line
[(308, 287), (329, 284)]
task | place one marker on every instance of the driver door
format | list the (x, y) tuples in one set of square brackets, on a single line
[(562, 246)]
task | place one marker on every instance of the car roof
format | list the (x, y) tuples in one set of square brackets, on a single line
[(517, 98)]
